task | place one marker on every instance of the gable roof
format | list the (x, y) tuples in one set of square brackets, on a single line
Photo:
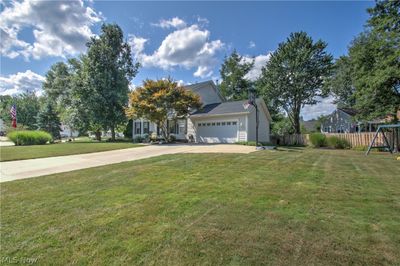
[(197, 86), (349, 111), (221, 108)]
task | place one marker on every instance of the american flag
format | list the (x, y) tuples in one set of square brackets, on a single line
[(13, 112)]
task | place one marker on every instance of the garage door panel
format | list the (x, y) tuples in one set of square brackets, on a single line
[(217, 131)]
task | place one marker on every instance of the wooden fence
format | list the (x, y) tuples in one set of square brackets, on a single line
[(355, 139)]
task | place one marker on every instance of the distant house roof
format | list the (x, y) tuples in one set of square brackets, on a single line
[(349, 111), (222, 108), (310, 125)]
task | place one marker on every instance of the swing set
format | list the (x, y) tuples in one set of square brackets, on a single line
[(390, 138)]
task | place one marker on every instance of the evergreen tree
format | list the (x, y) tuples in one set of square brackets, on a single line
[(234, 85), (49, 121)]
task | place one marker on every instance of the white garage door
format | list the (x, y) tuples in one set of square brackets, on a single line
[(223, 131)]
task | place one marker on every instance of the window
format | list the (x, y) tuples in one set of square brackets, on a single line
[(146, 127), (199, 125), (218, 123), (234, 123), (223, 123), (204, 124), (138, 129), (213, 124), (228, 123), (208, 124), (173, 127)]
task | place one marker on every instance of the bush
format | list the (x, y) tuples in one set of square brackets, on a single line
[(318, 140), (28, 137), (138, 139), (338, 143), (172, 138), (253, 143)]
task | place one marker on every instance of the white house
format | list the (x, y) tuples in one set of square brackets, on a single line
[(218, 121)]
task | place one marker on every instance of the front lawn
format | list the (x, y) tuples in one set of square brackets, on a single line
[(12, 153), (287, 207)]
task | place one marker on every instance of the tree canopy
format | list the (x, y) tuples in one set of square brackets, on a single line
[(108, 68), (295, 74), (161, 100), (234, 85)]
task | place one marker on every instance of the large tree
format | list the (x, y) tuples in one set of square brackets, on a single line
[(295, 74), (161, 100), (374, 56), (234, 85), (48, 120), (108, 70)]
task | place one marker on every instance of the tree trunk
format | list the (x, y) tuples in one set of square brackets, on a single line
[(112, 133), (98, 135), (296, 121)]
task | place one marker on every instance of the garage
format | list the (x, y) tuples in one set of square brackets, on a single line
[(221, 131)]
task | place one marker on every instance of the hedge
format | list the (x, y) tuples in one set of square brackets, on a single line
[(29, 137)]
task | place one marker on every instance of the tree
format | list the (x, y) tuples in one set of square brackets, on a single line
[(295, 74), (234, 85), (57, 83), (161, 100), (49, 121), (108, 70), (374, 56), (28, 105), (340, 83)]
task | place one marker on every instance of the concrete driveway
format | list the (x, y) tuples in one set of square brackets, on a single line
[(44, 166)]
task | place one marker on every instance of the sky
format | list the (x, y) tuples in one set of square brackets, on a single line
[(185, 40)]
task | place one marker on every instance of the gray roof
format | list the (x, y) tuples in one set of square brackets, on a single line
[(221, 108)]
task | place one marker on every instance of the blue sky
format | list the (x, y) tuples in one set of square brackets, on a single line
[(186, 40)]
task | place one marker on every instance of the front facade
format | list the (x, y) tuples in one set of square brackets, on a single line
[(218, 121)]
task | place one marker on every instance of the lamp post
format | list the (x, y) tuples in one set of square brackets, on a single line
[(252, 101)]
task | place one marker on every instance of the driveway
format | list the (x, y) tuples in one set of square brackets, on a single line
[(44, 166)]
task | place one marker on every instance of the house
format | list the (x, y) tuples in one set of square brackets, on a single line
[(340, 121), (218, 121)]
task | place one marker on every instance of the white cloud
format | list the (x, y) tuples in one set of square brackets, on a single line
[(324, 107), (252, 44), (259, 63), (171, 23), (59, 28), (188, 47), (21, 82)]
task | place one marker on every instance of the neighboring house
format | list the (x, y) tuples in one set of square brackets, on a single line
[(310, 125), (66, 132), (340, 121), (343, 120), (218, 121)]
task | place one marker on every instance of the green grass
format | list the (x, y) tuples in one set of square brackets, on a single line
[(286, 207), (11, 153)]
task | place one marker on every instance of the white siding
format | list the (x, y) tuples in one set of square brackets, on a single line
[(207, 94)]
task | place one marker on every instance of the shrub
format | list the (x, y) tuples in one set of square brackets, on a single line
[(253, 143), (318, 140), (338, 143), (172, 138), (28, 137), (138, 139)]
